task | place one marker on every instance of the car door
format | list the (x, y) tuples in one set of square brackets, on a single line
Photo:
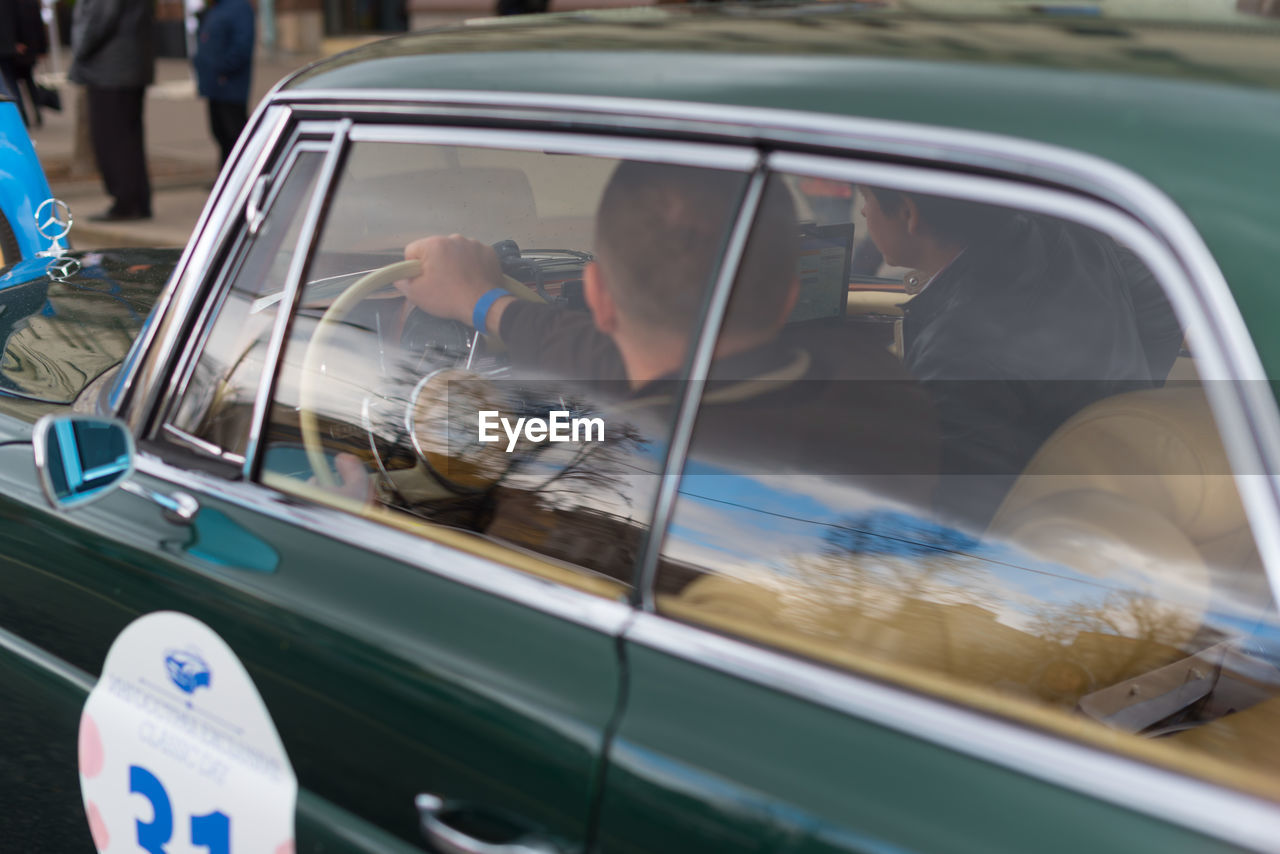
[(1002, 605), (430, 666)]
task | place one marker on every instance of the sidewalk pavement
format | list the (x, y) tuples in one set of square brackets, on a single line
[(182, 156)]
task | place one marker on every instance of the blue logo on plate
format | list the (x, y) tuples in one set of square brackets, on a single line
[(187, 670)]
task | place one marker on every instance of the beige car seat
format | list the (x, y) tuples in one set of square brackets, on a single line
[(1134, 488), (1158, 451)]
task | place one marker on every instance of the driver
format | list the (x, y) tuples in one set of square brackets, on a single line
[(660, 230)]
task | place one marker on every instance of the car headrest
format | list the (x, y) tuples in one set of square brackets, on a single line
[(1158, 448), (1132, 548)]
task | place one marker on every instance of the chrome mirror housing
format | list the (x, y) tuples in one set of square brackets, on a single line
[(81, 458)]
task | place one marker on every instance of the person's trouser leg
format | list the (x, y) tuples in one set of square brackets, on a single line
[(227, 120), (10, 73), (26, 79), (115, 127)]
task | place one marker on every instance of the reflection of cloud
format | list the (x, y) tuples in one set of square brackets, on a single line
[(742, 526)]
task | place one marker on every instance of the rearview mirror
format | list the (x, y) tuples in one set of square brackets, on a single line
[(81, 458)]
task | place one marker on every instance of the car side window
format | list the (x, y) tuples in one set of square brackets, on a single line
[(539, 444), (215, 408), (990, 476)]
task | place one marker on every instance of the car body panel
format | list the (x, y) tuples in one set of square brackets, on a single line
[(676, 784), (390, 672), (338, 641)]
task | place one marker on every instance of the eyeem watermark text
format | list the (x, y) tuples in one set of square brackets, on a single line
[(556, 427)]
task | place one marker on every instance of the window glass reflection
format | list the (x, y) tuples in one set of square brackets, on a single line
[(539, 440), (993, 476)]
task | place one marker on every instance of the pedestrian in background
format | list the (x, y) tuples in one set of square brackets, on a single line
[(113, 56), (224, 64), (8, 48), (33, 43)]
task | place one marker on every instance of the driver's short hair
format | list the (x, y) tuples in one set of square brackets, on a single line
[(660, 230)]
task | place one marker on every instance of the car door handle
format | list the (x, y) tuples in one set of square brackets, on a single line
[(447, 839)]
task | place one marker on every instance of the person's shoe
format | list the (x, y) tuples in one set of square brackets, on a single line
[(114, 215)]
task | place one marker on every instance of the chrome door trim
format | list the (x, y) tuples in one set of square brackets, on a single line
[(1234, 817), (584, 609), (308, 237)]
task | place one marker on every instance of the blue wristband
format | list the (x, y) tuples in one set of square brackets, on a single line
[(481, 312)]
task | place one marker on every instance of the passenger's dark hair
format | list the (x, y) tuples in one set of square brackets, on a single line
[(954, 220), (660, 230)]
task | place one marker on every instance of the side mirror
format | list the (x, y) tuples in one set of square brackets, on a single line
[(81, 458)]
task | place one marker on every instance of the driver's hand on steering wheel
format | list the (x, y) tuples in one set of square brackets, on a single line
[(456, 272)]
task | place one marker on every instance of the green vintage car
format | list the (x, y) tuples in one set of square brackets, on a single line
[(842, 427)]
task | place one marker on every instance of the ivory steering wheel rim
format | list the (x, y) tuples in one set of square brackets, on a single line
[(308, 423)]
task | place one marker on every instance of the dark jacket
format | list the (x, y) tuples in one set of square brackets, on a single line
[(30, 32), (111, 43), (1018, 334), (8, 30), (224, 51)]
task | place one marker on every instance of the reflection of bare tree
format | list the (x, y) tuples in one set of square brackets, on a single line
[(599, 473), (1100, 643), (909, 592), (578, 503)]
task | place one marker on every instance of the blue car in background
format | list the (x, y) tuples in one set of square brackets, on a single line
[(23, 187)]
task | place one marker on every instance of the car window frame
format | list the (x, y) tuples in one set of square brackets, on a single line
[(745, 160), (241, 243), (1145, 787)]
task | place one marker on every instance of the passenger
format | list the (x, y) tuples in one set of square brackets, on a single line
[(1020, 321)]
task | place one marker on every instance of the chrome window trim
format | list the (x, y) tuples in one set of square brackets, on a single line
[(195, 443), (549, 597), (308, 237), (698, 154), (189, 273), (241, 240), (1203, 807), (703, 349)]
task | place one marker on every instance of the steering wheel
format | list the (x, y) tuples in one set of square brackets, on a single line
[(308, 423)]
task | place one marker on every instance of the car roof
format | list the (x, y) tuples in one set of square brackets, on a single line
[(1190, 103), (1210, 42)]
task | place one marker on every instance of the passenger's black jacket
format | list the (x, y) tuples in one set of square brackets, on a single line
[(1019, 333)]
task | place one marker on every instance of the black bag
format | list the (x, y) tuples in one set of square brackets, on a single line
[(47, 97)]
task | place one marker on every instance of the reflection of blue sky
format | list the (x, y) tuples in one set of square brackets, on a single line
[(739, 523)]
